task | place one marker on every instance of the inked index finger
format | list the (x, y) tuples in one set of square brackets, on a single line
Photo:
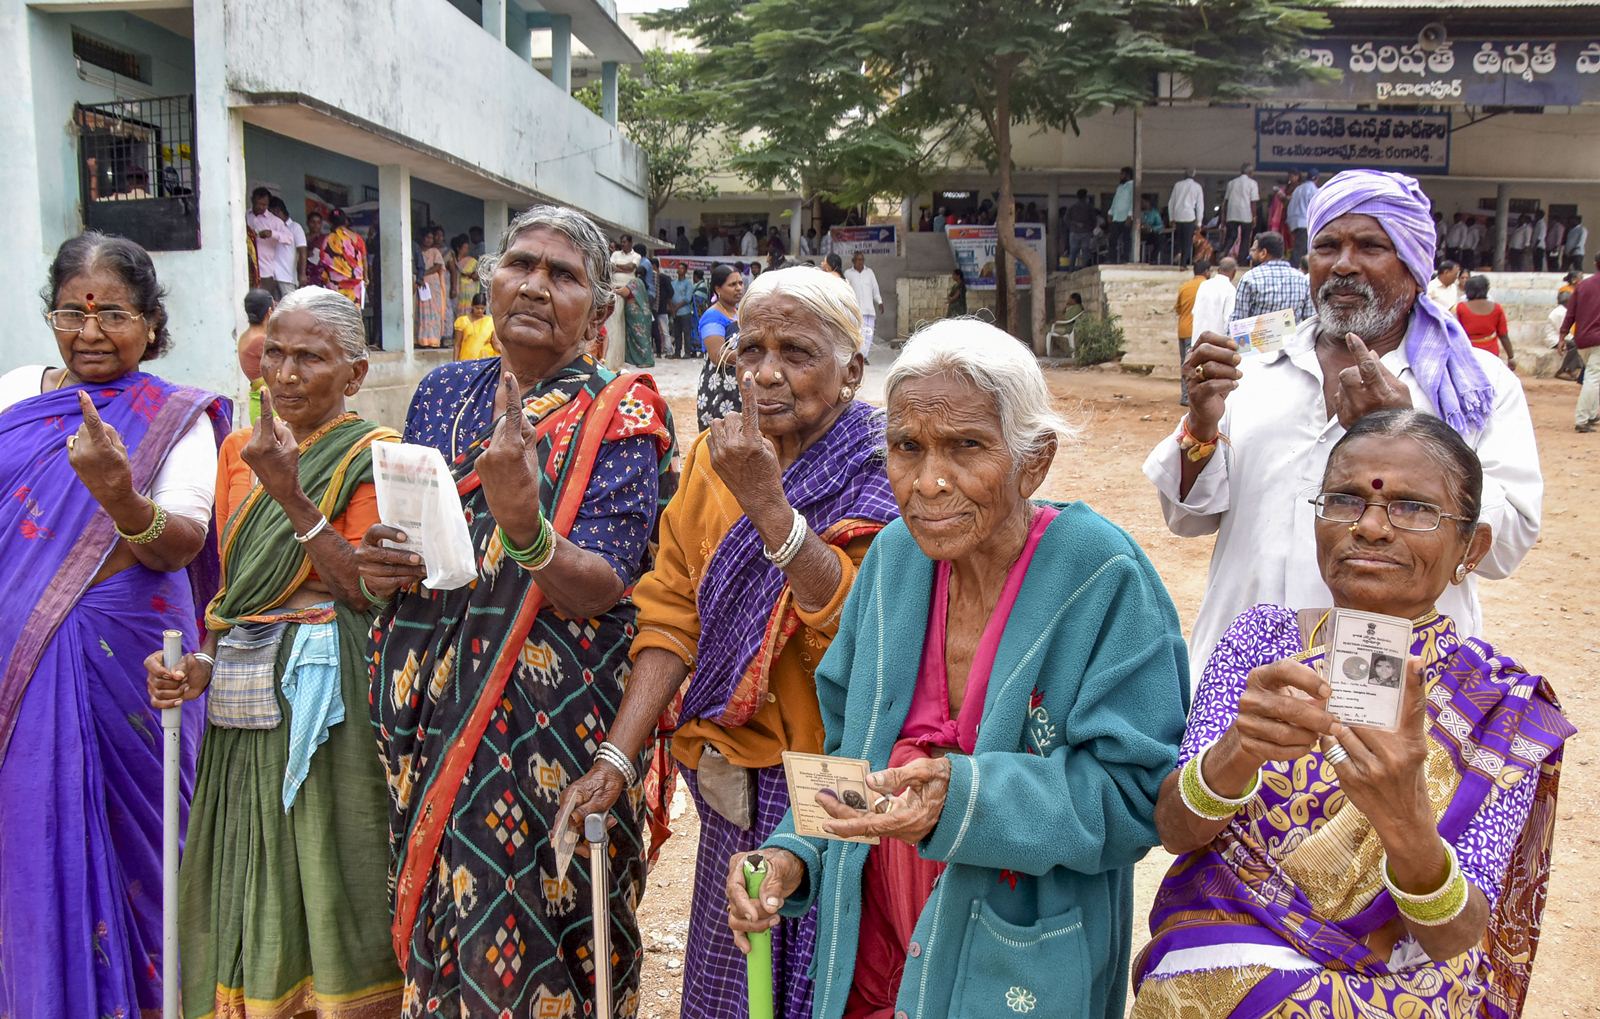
[(267, 416), (1366, 360), (749, 413), (1286, 675), (91, 417), (502, 394)]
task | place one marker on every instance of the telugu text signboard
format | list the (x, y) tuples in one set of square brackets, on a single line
[(1343, 139), (973, 247), (868, 241), (1479, 72)]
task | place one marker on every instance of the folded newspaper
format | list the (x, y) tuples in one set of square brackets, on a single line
[(417, 494)]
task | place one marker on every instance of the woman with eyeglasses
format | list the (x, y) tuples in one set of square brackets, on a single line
[(109, 475), (1322, 864)]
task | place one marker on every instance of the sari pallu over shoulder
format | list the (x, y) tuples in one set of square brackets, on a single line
[(574, 414), (257, 574), (55, 536), (839, 485), (1498, 725)]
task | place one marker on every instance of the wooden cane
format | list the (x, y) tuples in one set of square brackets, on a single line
[(171, 740)]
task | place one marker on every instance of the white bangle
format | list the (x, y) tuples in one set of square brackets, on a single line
[(612, 755), (791, 546), (316, 529), (203, 657)]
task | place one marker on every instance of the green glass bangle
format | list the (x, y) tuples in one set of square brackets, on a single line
[(1199, 797), (542, 544), (361, 582)]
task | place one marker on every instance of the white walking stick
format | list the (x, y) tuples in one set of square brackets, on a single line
[(171, 743), (594, 832)]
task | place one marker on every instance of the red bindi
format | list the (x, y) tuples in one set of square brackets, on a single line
[(1377, 484)]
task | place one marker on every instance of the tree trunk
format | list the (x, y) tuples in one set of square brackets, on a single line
[(1006, 223)]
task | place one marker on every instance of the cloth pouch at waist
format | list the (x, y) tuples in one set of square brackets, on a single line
[(728, 788), (243, 692), (312, 687)]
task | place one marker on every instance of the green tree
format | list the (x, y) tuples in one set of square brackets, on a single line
[(661, 111), (964, 73), (806, 112)]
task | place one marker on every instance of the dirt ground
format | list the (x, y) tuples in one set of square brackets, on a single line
[(1540, 616)]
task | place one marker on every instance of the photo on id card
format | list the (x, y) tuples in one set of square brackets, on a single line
[(1366, 662), (809, 774)]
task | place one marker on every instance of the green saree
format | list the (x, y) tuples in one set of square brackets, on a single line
[(284, 912)]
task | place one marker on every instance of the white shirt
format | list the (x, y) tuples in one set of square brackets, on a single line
[(185, 483), (1553, 323), (1280, 435), (1456, 236), (1577, 240), (1213, 305), (1240, 200), (1446, 297), (808, 246), (284, 266), (748, 244), (1521, 236), (1539, 227), (1477, 233), (267, 247), (1187, 201), (826, 247), (865, 284)]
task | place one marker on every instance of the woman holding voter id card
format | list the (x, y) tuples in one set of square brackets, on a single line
[(280, 901), (1012, 674), (490, 696), (780, 502), (1400, 860)]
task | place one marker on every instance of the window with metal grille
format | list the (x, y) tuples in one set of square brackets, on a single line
[(111, 58), (138, 173)]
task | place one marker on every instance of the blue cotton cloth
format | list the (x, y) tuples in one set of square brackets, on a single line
[(1436, 345), (311, 686)]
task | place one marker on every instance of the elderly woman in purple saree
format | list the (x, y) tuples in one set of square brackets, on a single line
[(778, 506), (104, 543), (1332, 870)]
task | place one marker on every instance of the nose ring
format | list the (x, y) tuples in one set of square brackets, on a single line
[(777, 376), (1353, 527), (942, 483)]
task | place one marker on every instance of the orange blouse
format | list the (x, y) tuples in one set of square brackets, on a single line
[(235, 479), (697, 519)]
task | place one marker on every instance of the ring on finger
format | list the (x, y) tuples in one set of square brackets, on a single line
[(1200, 372), (70, 440), (884, 805), (1336, 754)]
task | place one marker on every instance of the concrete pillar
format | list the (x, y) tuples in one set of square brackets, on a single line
[(394, 248), (1052, 230), (795, 209), (908, 214), (1502, 213), (494, 19), (608, 92), (561, 51), (222, 272), (519, 35), (496, 217), (1135, 247)]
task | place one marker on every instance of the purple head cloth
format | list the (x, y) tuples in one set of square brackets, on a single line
[(1437, 346)]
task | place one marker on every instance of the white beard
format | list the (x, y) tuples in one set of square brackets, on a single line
[(1366, 321)]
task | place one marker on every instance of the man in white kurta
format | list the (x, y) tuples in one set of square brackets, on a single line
[(1253, 492)]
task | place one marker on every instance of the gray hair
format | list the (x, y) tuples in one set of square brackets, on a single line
[(334, 312), (575, 227), (994, 362), (826, 297)]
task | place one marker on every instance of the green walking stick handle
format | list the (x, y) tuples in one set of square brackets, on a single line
[(759, 962)]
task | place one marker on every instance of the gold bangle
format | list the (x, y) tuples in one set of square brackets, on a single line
[(1435, 908), (158, 523), (1201, 799)]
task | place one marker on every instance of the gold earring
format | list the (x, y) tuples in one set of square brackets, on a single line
[(846, 394), (1461, 572), (150, 336)]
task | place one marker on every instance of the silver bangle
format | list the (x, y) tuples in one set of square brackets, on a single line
[(316, 529), (203, 657), (791, 546), (611, 754)]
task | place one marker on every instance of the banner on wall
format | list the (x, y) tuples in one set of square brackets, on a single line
[(973, 248), (868, 241), (1460, 72), (705, 263), (1346, 139)]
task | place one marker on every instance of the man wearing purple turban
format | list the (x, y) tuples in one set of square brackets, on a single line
[(1253, 446)]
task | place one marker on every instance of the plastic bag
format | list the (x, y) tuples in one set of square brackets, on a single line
[(417, 494)]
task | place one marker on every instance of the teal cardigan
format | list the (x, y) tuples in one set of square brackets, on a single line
[(1043, 823)]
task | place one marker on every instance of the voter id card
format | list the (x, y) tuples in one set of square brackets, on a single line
[(1366, 658), (1262, 334)]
